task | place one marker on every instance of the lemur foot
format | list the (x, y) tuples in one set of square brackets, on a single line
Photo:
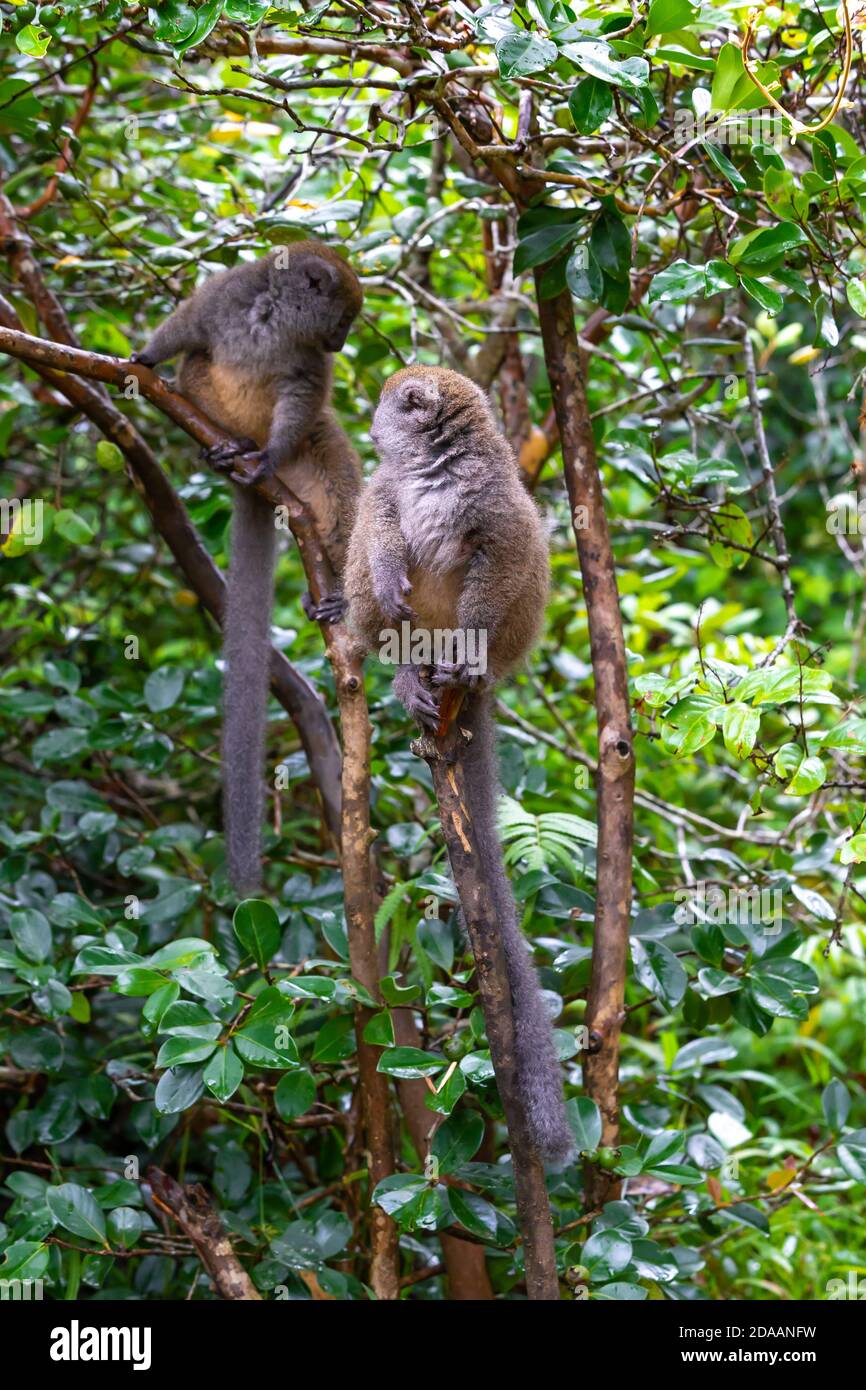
[(391, 596), (329, 609), (225, 456), (458, 674), (420, 703), (142, 359)]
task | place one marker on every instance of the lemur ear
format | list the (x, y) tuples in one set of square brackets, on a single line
[(321, 277), (309, 270), (417, 394)]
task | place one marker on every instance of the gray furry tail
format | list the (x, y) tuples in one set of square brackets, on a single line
[(247, 652), (539, 1074)]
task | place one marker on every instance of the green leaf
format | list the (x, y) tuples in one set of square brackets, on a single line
[(125, 1226), (175, 22), (856, 293), (836, 1102), (607, 1253), (854, 850), (76, 1210), (610, 244), (730, 523), (763, 294), (257, 928), (178, 1089), (724, 165), (108, 456), (32, 40), (740, 726), (206, 17), (702, 1053), (473, 1212), (713, 983), (295, 1094), (335, 1041), (379, 1030), (176, 1050), (266, 1044), (163, 687), (762, 250), (667, 15), (73, 528), (590, 104), (31, 932), (851, 1153), (458, 1140), (446, 1096), (658, 970), (584, 1118), (521, 53), (599, 60), (224, 1072), (810, 775), (544, 245), (410, 1063), (185, 1019), (678, 283)]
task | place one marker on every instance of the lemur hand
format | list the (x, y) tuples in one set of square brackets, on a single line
[(459, 675), (391, 594)]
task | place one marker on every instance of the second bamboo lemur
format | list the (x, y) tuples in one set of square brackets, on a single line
[(447, 539), (255, 344)]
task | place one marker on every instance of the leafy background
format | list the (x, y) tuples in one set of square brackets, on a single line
[(147, 1018)]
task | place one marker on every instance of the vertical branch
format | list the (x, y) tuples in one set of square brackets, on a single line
[(615, 776), (777, 529), (363, 956), (443, 755)]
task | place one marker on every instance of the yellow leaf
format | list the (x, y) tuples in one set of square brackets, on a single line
[(779, 1179), (185, 598), (804, 355), (67, 260)]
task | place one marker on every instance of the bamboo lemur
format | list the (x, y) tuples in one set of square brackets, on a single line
[(255, 344), (447, 538)]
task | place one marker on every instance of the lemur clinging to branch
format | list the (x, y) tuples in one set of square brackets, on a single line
[(447, 538), (256, 344)]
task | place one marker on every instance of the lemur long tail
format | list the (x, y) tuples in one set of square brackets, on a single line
[(247, 651), (538, 1069)]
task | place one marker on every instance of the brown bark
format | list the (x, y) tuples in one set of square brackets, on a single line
[(363, 955), (615, 775), (191, 1208), (443, 756)]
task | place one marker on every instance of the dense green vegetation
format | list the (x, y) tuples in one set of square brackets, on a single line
[(146, 1019)]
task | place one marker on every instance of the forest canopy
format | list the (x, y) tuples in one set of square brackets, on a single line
[(638, 227)]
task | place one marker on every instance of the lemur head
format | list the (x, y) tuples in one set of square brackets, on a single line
[(420, 406), (316, 293)]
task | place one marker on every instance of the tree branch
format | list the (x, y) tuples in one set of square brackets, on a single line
[(615, 775), (191, 1208)]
